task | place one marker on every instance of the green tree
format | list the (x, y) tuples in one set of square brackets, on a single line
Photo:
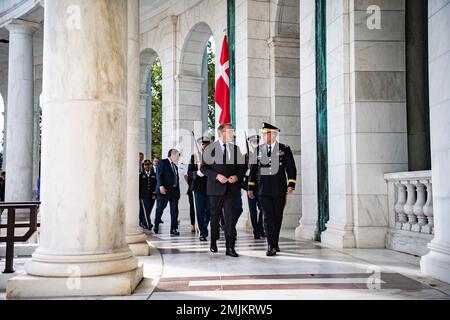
[(211, 90), (156, 78)]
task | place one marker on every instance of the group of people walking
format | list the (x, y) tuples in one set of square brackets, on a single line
[(217, 173)]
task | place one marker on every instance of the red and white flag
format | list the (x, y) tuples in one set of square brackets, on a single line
[(222, 96)]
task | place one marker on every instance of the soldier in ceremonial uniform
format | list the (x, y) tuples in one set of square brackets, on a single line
[(272, 178), (199, 188), (147, 195), (253, 204)]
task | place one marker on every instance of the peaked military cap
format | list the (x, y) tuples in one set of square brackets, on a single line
[(266, 127)]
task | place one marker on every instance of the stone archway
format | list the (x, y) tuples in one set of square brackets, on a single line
[(190, 87)]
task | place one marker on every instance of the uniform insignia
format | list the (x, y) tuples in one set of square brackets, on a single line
[(281, 153)]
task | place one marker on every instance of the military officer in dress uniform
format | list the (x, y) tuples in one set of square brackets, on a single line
[(272, 178), (147, 195)]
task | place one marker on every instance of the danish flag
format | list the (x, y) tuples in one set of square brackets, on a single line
[(222, 95)]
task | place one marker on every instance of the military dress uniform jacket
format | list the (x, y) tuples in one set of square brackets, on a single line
[(271, 177), (198, 183), (147, 185)]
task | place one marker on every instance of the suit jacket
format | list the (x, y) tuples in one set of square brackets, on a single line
[(147, 185), (212, 165), (271, 177), (197, 183), (166, 178)]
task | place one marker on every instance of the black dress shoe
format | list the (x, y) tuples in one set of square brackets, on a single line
[(263, 235), (271, 252), (203, 239), (156, 230), (232, 253), (277, 249), (214, 247), (161, 222), (174, 233), (257, 237)]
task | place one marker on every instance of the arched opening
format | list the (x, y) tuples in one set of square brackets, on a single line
[(150, 142), (195, 88), (209, 87)]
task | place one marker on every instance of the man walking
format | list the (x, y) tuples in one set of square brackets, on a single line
[(168, 190), (268, 180), (224, 166)]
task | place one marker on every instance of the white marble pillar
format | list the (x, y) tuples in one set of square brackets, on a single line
[(136, 239), (308, 228), (19, 159), (83, 250), (437, 262), (285, 108)]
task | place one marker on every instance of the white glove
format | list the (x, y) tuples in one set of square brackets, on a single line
[(200, 174)]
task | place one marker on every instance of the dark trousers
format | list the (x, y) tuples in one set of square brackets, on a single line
[(228, 204), (203, 208), (161, 206), (146, 207), (273, 208), (191, 207), (257, 220)]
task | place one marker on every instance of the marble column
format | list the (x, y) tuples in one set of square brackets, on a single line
[(437, 262), (367, 122), (136, 239), (308, 228), (83, 249), (285, 108), (19, 159)]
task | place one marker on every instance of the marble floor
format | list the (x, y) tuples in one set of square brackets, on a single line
[(182, 268)]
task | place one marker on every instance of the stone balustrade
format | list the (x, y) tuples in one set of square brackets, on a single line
[(411, 223)]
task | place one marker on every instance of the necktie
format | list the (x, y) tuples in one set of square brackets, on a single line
[(174, 174), (224, 154), (269, 154)]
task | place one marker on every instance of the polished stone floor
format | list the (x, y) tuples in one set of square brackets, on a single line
[(182, 268)]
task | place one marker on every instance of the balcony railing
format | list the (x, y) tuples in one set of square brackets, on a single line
[(411, 223)]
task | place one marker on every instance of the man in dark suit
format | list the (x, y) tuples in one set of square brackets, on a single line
[(272, 178), (224, 166), (147, 195), (198, 186), (168, 190)]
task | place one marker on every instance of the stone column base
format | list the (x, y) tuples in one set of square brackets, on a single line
[(338, 236), (140, 249), (436, 263), (138, 244), (306, 230), (121, 284)]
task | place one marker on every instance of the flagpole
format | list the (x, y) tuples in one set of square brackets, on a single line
[(231, 30)]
